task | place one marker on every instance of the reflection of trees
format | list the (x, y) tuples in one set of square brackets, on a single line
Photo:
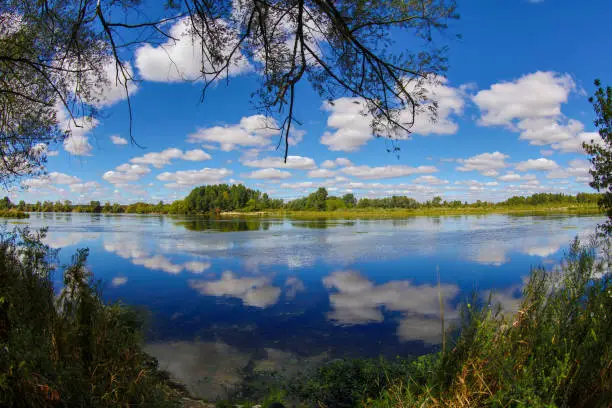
[(234, 225), (321, 223)]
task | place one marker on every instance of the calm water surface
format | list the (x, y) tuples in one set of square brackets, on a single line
[(226, 295)]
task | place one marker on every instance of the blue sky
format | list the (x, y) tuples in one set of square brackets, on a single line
[(513, 113)]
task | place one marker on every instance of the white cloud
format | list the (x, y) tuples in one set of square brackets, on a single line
[(541, 164), (83, 188), (125, 173), (532, 106), (352, 127), (180, 60), (516, 177), (256, 291), (321, 173), (196, 155), (165, 157), (189, 178), (272, 174), (118, 140), (340, 161), (367, 172), (252, 131), (536, 95), (450, 101), (577, 168), (62, 178), (112, 89), (293, 162), (77, 141), (487, 164), (431, 180)]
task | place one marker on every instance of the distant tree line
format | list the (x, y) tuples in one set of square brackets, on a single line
[(223, 198)]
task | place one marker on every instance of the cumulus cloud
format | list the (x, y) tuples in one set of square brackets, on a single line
[(126, 173), (352, 127), (576, 168), (180, 59), (340, 161), (189, 178), (113, 89), (541, 164), (384, 172), (487, 164), (531, 106), (165, 157), (536, 95), (118, 140), (272, 174), (252, 131), (85, 188), (293, 162), (321, 173), (351, 124), (78, 129), (252, 291), (431, 180), (449, 100), (516, 177)]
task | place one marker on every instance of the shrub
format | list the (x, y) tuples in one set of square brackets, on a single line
[(71, 349)]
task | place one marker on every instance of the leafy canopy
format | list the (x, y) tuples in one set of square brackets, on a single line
[(55, 56)]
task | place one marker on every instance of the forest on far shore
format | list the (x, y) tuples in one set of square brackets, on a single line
[(221, 198)]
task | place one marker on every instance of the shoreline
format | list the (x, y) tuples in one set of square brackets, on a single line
[(373, 213)]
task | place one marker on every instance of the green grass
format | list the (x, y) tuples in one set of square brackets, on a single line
[(379, 213), (69, 348)]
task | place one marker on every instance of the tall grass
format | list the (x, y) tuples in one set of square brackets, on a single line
[(555, 351), (68, 349)]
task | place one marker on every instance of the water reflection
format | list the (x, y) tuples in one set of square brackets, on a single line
[(357, 300), (221, 225), (267, 290), (256, 291)]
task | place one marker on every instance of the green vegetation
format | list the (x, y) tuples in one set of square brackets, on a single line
[(601, 154), (223, 198), (13, 214), (69, 348), (555, 351)]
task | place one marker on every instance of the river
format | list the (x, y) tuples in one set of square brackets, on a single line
[(229, 295)]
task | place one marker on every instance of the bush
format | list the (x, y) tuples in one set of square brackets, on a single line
[(556, 351), (71, 349)]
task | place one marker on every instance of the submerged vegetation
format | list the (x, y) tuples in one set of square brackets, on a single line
[(68, 348)]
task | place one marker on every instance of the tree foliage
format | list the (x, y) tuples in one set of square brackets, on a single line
[(601, 154), (56, 55)]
